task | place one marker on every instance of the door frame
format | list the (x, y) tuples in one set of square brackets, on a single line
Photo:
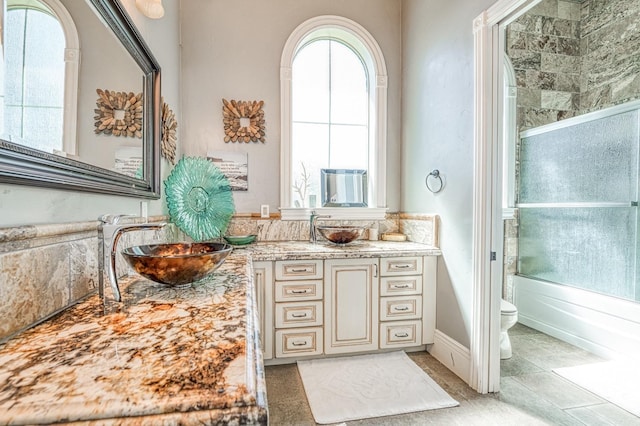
[(487, 191)]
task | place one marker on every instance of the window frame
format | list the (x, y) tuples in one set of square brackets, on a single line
[(71, 71), (361, 41)]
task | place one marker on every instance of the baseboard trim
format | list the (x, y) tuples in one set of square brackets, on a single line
[(452, 355)]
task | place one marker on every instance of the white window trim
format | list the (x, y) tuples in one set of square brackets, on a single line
[(509, 141), (378, 162), (72, 65)]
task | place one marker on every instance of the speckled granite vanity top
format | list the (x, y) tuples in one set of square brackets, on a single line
[(289, 250), (186, 355)]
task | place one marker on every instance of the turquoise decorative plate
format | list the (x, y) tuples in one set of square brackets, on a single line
[(240, 240), (199, 198)]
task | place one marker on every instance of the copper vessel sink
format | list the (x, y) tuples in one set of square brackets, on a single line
[(176, 264), (340, 234)]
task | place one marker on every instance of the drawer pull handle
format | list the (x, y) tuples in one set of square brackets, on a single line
[(300, 270), (401, 334), (400, 286), (303, 315), (305, 291), (400, 308), (405, 266), (299, 343)]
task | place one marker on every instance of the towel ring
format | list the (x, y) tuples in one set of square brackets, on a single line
[(440, 184)]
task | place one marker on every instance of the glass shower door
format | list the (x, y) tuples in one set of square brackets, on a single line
[(577, 203)]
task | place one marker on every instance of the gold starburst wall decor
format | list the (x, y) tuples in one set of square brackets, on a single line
[(169, 126), (243, 121), (118, 113)]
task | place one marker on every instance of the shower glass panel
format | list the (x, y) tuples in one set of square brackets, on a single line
[(578, 196), (590, 248)]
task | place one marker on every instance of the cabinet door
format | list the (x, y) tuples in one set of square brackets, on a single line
[(351, 305), (263, 280)]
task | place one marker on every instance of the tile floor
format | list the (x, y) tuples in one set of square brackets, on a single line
[(530, 393)]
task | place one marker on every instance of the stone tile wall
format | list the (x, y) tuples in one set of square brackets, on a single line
[(510, 258), (610, 48), (46, 268), (573, 57), (544, 48)]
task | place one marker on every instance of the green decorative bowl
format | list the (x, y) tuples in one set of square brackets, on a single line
[(240, 240)]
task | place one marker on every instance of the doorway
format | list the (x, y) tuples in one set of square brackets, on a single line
[(577, 183), (490, 39)]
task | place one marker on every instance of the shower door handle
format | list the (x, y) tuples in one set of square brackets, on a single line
[(634, 204)]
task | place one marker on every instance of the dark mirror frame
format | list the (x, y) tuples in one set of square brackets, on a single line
[(26, 166)]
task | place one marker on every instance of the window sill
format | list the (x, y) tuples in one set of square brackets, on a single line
[(339, 213)]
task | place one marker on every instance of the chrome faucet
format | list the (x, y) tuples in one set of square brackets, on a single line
[(110, 232), (313, 218)]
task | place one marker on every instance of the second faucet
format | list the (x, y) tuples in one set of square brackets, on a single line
[(313, 218)]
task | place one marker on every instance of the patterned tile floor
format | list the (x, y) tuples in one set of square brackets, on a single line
[(530, 393)]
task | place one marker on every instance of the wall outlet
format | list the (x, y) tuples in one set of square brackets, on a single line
[(144, 209), (264, 210)]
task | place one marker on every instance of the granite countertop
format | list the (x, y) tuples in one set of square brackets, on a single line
[(302, 250), (187, 355)]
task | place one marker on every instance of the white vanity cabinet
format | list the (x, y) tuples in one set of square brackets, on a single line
[(298, 308), (263, 280), (351, 305), (338, 306), (401, 301)]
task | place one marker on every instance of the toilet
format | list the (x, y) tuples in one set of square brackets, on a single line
[(508, 318)]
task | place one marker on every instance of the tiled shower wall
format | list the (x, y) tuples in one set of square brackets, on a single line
[(46, 268), (544, 48), (572, 57)]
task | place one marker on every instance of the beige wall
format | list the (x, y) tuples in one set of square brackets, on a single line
[(437, 123), (232, 50)]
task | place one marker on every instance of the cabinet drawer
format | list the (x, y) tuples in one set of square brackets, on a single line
[(400, 307), (400, 333), (298, 290), (298, 314), (298, 342), (403, 285), (298, 269), (390, 266)]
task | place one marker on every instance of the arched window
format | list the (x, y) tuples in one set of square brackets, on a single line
[(40, 80), (334, 102)]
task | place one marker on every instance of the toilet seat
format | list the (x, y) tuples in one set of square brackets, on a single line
[(507, 308)]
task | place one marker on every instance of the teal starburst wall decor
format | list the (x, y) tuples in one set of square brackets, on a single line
[(199, 198)]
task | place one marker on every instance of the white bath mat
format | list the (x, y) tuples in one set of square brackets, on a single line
[(365, 386), (617, 382)]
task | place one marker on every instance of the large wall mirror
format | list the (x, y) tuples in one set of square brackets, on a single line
[(79, 99)]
